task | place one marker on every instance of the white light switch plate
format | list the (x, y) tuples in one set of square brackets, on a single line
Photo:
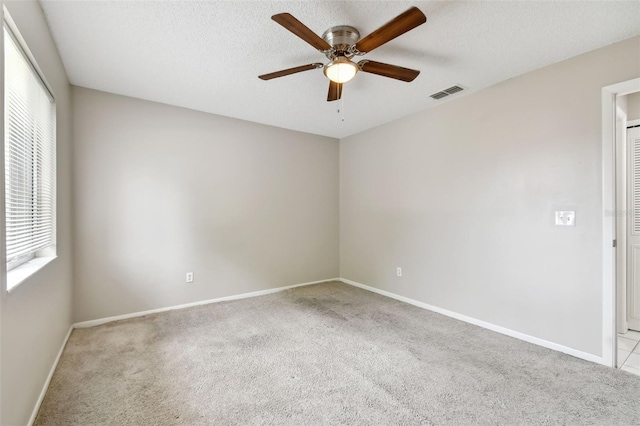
[(566, 218)]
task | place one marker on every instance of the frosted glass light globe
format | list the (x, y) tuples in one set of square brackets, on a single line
[(340, 70)]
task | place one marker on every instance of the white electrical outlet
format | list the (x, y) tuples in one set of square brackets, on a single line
[(565, 218), (189, 277), (399, 272)]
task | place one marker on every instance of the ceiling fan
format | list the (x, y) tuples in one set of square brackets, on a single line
[(341, 43)]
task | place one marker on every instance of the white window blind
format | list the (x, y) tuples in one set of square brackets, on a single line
[(634, 145), (29, 156)]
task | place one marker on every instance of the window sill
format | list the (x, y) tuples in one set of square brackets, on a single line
[(18, 275)]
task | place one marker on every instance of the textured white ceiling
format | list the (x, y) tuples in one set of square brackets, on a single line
[(207, 55)]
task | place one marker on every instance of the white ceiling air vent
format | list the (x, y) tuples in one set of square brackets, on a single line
[(453, 89), (439, 95), (446, 92)]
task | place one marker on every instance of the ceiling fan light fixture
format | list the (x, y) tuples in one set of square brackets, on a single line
[(340, 70)]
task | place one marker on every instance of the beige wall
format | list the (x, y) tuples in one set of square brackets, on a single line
[(462, 197), (37, 314), (162, 190), (633, 106)]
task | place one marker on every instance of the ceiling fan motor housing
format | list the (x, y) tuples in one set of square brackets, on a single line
[(341, 38)]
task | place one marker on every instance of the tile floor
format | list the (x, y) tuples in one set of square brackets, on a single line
[(629, 351)]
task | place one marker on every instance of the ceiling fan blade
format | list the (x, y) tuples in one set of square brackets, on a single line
[(298, 28), (290, 71), (335, 91), (392, 29), (386, 70)]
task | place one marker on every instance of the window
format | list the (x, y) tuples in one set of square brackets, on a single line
[(29, 163)]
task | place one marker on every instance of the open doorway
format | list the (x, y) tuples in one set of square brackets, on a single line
[(610, 248), (627, 230)]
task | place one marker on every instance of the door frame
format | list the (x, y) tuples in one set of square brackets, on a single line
[(609, 293), (622, 195), (623, 254)]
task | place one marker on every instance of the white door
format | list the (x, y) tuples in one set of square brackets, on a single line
[(633, 229)]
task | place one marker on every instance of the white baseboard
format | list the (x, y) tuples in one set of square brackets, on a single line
[(34, 414), (100, 321), (502, 330)]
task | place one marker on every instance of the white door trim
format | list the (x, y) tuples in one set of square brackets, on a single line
[(609, 94), (622, 192)]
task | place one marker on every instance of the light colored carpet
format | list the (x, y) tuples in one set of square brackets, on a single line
[(324, 354)]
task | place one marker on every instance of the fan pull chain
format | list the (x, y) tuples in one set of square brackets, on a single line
[(341, 108)]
